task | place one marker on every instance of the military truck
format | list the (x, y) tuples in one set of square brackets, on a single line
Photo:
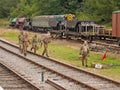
[(41, 23)]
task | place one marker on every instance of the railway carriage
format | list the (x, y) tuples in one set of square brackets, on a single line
[(116, 25), (57, 26), (81, 29)]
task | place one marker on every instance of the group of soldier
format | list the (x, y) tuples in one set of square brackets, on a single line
[(24, 43)]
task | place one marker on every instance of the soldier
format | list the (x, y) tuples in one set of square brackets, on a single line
[(46, 40), (25, 43), (84, 51), (34, 43), (20, 37)]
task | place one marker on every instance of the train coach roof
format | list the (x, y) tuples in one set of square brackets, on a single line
[(116, 12)]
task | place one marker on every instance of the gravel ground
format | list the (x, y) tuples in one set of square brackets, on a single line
[(24, 69), (9, 80)]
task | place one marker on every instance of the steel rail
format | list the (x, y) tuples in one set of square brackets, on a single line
[(55, 85), (13, 71)]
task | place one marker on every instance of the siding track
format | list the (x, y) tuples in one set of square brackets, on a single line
[(10, 80)]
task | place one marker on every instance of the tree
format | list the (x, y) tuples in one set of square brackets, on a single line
[(45, 7), (23, 9), (99, 10), (5, 7)]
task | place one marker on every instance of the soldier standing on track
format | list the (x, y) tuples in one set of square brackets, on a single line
[(46, 40), (84, 51), (20, 37), (25, 43), (34, 43)]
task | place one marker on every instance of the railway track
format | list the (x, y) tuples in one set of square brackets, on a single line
[(91, 79), (10, 80), (100, 47), (32, 70)]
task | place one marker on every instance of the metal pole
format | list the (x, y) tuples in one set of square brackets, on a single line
[(42, 76)]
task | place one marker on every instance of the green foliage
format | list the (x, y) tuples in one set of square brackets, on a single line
[(5, 7), (33, 8), (82, 16), (99, 10), (23, 9), (4, 22)]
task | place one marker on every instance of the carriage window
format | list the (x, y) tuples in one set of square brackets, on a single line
[(83, 28), (90, 28)]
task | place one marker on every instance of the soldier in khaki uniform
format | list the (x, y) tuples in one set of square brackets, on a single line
[(20, 37), (25, 43), (34, 43), (84, 51), (46, 41)]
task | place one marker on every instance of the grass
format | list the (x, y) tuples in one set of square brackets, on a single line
[(71, 55), (4, 22), (9, 35)]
